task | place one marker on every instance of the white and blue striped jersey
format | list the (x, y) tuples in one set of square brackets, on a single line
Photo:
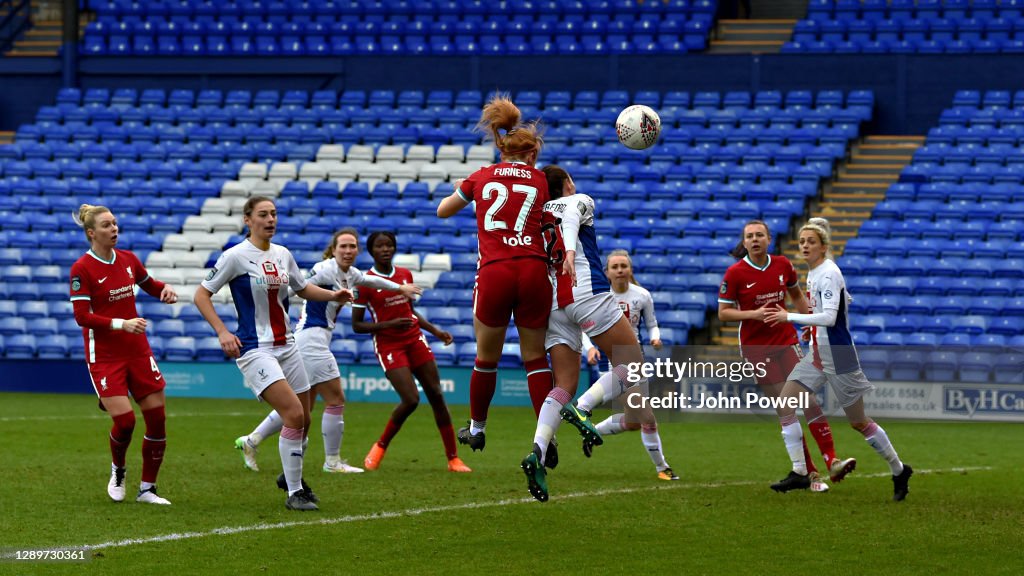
[(259, 282), (328, 275), (568, 224), (831, 346)]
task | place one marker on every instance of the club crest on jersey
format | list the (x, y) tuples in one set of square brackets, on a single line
[(269, 268), (76, 283), (130, 274), (781, 280), (103, 382)]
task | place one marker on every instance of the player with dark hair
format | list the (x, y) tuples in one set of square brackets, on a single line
[(752, 287), (402, 351), (117, 352), (582, 303), (313, 334)]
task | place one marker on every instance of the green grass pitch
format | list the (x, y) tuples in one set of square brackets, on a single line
[(608, 514)]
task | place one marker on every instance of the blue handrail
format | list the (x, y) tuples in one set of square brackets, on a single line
[(17, 19)]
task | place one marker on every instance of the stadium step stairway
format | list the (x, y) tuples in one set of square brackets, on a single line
[(848, 200), (750, 36), (937, 264)]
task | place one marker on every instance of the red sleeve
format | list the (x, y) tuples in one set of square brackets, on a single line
[(791, 277), (150, 285), (468, 188), (81, 300), (362, 294), (728, 291)]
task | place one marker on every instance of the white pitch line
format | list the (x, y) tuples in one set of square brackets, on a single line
[(228, 530), (105, 417)]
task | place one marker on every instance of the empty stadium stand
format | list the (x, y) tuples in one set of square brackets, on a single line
[(910, 26), (397, 27), (176, 167)]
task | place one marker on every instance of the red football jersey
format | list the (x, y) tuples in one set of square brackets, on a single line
[(509, 198), (386, 305), (748, 288), (108, 288)]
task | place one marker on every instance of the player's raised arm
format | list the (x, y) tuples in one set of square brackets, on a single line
[(453, 203)]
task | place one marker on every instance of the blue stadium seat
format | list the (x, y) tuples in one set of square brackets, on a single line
[(466, 354), (445, 355), (19, 346), (180, 349), (345, 351)]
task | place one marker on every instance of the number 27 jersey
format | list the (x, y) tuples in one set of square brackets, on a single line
[(509, 197)]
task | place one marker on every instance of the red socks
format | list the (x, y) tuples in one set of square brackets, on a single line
[(390, 430), (807, 457), (153, 443), (448, 437), (121, 437), (482, 384), (821, 431), (540, 381)]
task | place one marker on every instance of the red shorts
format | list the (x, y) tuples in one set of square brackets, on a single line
[(518, 286), (140, 376), (412, 355), (778, 361)]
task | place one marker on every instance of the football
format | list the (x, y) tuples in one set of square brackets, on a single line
[(638, 127)]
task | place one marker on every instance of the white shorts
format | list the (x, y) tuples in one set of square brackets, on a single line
[(848, 387), (261, 367), (594, 315), (315, 348)]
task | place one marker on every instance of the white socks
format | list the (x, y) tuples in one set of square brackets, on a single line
[(548, 420), (608, 387), (652, 441), (289, 445), (332, 427), (476, 427), (611, 425), (793, 437), (271, 425), (879, 440)]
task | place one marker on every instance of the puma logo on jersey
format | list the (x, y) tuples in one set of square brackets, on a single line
[(751, 285), (102, 280)]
